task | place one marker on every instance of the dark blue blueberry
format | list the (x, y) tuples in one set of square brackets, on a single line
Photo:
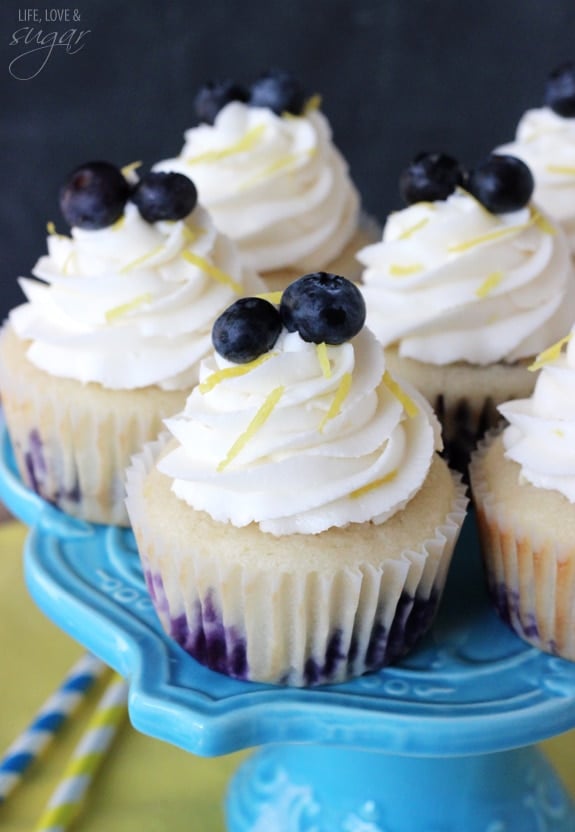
[(560, 90), (279, 91), (246, 329), (323, 307), (214, 96), (94, 196), (165, 196), (501, 183), (430, 177)]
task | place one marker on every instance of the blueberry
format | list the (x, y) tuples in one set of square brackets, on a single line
[(501, 183), (214, 96), (246, 329), (94, 196), (323, 307), (560, 90), (279, 91), (430, 177), (165, 196)]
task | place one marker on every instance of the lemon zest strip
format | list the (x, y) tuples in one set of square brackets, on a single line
[(486, 238), (371, 486), (271, 297), (397, 270), (51, 229), (119, 223), (128, 169), (139, 260), (568, 170), (542, 222), (313, 103), (340, 396), (231, 372), (550, 354), (490, 283), (122, 309), (212, 271), (558, 432), (244, 144), (284, 162), (408, 404), (413, 229), (256, 423), (323, 359)]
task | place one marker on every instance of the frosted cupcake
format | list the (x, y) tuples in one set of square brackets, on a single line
[(296, 524), (545, 140), (111, 335), (469, 282), (523, 482), (266, 168)]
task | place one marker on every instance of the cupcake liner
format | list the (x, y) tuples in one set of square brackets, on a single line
[(73, 442), (531, 579), (292, 626)]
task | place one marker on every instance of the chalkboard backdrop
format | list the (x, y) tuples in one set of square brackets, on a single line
[(116, 80)]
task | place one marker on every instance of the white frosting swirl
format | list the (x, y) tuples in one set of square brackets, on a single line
[(452, 282), (546, 142), (133, 304), (541, 432), (276, 185), (305, 469)]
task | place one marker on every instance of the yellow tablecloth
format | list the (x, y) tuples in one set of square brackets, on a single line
[(144, 785)]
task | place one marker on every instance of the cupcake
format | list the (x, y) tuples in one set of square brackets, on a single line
[(545, 140), (296, 523), (117, 318), (523, 483), (266, 168), (469, 282)]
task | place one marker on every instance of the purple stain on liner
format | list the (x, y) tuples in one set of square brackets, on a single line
[(223, 649), (37, 469)]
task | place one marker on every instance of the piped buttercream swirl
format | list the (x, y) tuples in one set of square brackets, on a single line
[(276, 185), (546, 142), (133, 304), (299, 444), (451, 281), (540, 437)]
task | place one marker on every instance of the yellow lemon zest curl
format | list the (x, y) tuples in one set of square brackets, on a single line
[(256, 423), (231, 372), (550, 354), (371, 486), (340, 396), (394, 388)]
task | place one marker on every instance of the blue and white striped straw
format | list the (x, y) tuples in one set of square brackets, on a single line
[(33, 741)]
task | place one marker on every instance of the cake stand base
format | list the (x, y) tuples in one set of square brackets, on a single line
[(309, 788)]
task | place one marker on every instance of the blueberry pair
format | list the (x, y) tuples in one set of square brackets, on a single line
[(276, 89), (321, 307), (95, 196), (500, 183)]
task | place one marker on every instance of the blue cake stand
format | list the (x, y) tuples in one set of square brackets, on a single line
[(442, 742)]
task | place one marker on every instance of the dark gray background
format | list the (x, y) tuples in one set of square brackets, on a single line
[(396, 77)]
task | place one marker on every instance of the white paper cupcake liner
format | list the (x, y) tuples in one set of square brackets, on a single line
[(531, 581), (72, 443), (295, 626)]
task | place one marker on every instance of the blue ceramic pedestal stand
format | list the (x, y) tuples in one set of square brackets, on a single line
[(442, 742)]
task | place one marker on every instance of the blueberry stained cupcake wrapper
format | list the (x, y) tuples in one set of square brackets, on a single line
[(72, 442), (531, 581), (297, 627)]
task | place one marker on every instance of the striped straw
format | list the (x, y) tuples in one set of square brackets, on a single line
[(39, 734), (66, 801)]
